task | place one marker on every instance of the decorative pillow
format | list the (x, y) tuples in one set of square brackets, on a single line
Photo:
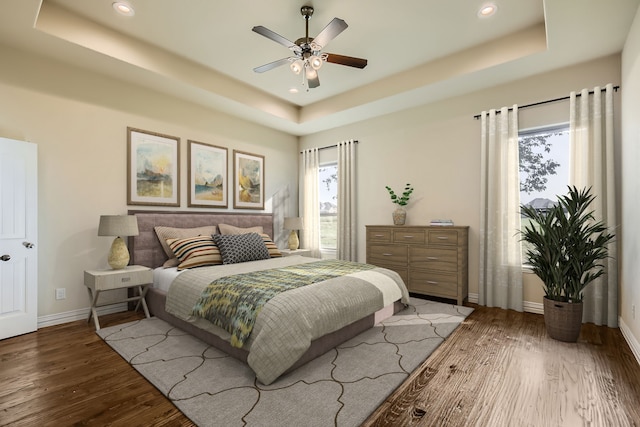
[(198, 251), (236, 248), (230, 229), (165, 233), (274, 252)]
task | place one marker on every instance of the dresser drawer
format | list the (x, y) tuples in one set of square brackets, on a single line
[(443, 237), (379, 235), (383, 255), (403, 272), (443, 259), (409, 236), (438, 284)]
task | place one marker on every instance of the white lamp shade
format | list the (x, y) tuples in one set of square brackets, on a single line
[(293, 223), (118, 225)]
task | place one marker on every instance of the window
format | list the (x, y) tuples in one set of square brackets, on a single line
[(328, 197), (544, 167)]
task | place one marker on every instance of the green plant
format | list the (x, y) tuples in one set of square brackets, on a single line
[(402, 200), (566, 245)]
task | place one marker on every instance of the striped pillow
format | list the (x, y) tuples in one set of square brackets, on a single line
[(274, 252), (198, 251)]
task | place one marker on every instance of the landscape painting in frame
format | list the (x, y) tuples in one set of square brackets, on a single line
[(207, 175), (153, 168), (248, 172)]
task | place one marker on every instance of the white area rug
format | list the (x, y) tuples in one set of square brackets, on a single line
[(340, 388)]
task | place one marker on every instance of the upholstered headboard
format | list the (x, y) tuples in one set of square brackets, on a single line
[(145, 248)]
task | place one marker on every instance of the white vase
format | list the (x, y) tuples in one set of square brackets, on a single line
[(399, 216)]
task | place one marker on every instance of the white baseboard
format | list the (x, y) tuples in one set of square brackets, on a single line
[(81, 314), (533, 307), (473, 298), (528, 306), (631, 340)]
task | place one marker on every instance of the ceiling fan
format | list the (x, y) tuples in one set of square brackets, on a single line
[(308, 56)]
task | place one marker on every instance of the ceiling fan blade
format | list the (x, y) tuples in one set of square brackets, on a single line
[(276, 38), (349, 61), (331, 31), (272, 65)]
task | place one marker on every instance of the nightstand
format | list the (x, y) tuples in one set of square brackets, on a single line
[(301, 252), (132, 276)]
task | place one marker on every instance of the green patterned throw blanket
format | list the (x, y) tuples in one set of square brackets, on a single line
[(233, 302)]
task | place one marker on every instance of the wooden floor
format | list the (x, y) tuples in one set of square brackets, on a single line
[(497, 369)]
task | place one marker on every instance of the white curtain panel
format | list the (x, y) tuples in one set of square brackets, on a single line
[(500, 283), (347, 201), (310, 202), (592, 165)]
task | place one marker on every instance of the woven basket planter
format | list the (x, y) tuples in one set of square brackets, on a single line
[(563, 320)]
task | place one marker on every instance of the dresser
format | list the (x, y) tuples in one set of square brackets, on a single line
[(432, 260)]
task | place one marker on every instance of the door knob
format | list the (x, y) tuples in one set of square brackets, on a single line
[(28, 245), (5, 257)]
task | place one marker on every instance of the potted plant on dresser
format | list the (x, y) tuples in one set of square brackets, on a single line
[(400, 214), (565, 247)]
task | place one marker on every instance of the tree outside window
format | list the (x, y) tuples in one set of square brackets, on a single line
[(328, 196), (544, 168)]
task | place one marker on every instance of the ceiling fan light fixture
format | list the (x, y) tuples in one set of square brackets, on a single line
[(311, 73), (316, 62), (296, 66)]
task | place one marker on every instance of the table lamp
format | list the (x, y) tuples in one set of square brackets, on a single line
[(119, 226), (293, 224)]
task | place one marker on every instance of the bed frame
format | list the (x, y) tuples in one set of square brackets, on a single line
[(145, 249)]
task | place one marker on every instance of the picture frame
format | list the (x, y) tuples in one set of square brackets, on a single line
[(248, 180), (208, 175), (153, 168)]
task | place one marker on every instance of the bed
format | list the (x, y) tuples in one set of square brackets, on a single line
[(282, 336)]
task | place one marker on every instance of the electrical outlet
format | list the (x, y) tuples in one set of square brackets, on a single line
[(61, 293)]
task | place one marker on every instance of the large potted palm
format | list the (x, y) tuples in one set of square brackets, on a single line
[(565, 247)]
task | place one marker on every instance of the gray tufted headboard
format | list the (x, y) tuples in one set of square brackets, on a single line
[(145, 248)]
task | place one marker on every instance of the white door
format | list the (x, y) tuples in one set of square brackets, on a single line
[(18, 238)]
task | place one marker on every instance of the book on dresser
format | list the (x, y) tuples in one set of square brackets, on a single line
[(432, 260), (441, 222)]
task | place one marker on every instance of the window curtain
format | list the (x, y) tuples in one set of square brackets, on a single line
[(311, 204), (347, 201), (592, 165), (500, 283)]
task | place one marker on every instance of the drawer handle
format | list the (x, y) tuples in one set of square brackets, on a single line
[(433, 258), (431, 282), (379, 235), (408, 237), (387, 254), (443, 238)]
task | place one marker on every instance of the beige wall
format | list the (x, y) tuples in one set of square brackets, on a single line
[(436, 148), (79, 120), (630, 277)]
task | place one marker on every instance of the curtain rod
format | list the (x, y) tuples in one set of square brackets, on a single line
[(615, 89), (330, 146)]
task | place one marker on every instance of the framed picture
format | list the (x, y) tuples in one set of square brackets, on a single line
[(153, 168), (248, 180), (207, 170)]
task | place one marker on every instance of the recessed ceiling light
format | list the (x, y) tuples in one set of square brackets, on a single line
[(123, 8), (487, 10)]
